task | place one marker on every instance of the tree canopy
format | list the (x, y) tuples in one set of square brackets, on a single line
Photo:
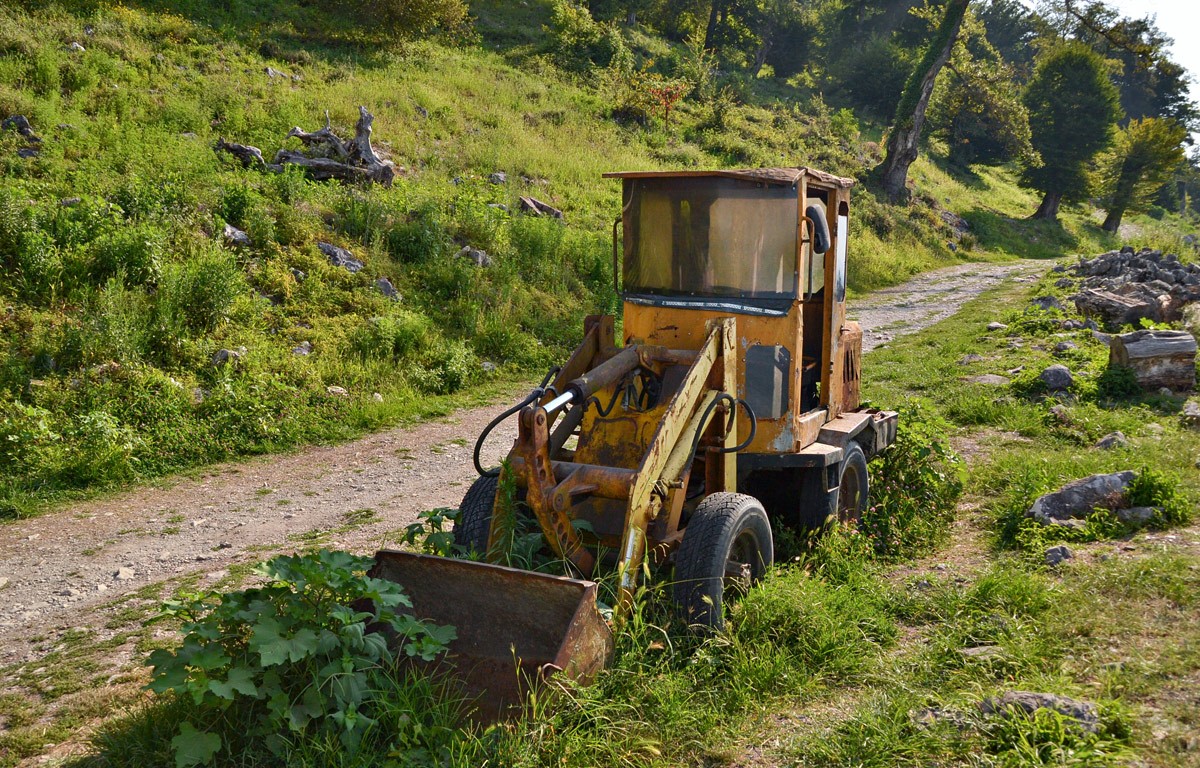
[(1073, 107)]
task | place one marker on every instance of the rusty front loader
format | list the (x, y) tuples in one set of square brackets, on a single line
[(730, 404)]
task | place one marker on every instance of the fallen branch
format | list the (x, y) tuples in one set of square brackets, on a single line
[(247, 154)]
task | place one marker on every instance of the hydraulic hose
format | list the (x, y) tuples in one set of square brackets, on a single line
[(533, 397), (708, 412)]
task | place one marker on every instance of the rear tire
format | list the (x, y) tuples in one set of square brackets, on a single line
[(854, 485), (474, 523), (726, 547)]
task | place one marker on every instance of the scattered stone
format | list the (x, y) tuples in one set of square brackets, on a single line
[(477, 256), (225, 356), (273, 73), (70, 592), (234, 236), (1057, 378), (1137, 515), (1065, 346), (1160, 358), (70, 202), (298, 275), (1027, 703), (1164, 392), (101, 587), (337, 391), (499, 177), (303, 349), (19, 124), (1189, 418), (216, 575), (422, 111), (1061, 413), (164, 556), (1015, 371), (28, 153), (76, 47), (971, 358), (1048, 303), (1112, 440), (952, 246), (387, 289), (340, 257), (1080, 497), (498, 207), (123, 574), (990, 379), (996, 326), (3, 582), (377, 397), (1064, 282), (1103, 338), (488, 366), (1059, 555), (923, 585)]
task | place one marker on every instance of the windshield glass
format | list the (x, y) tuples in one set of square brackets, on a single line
[(710, 237)]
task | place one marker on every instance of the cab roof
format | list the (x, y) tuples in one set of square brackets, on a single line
[(780, 176)]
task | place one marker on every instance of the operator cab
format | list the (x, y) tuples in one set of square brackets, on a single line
[(765, 245)]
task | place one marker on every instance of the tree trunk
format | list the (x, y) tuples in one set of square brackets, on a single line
[(760, 58), (1181, 190), (1049, 208), (631, 19), (1112, 222), (710, 32), (905, 137)]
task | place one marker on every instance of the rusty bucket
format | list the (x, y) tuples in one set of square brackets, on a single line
[(514, 627)]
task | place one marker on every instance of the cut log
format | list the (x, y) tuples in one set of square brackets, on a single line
[(247, 154), (1159, 358), (1113, 309)]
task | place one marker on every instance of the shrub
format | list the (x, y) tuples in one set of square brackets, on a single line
[(421, 235), (1152, 488), (445, 370), (1118, 381), (292, 659), (915, 485), (133, 254), (199, 295), (101, 450), (579, 42), (410, 18), (393, 336), (26, 432)]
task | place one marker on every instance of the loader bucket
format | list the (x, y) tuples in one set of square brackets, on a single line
[(514, 627)]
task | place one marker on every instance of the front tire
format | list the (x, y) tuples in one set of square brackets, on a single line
[(726, 547), (854, 485), (474, 523)]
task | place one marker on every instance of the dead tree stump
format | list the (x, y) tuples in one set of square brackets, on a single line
[(1159, 358)]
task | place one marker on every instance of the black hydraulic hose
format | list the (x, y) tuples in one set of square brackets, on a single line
[(708, 411), (533, 397)]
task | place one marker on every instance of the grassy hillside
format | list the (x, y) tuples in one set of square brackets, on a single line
[(116, 302)]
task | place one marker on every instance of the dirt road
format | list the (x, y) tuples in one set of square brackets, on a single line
[(70, 568)]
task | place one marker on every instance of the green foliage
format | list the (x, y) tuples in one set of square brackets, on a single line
[(579, 42), (292, 658), (1152, 488), (408, 19), (943, 35), (1118, 381), (915, 487), (1145, 154), (1073, 107), (977, 112)]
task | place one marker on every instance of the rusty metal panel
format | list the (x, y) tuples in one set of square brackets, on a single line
[(515, 628), (851, 344), (685, 329)]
